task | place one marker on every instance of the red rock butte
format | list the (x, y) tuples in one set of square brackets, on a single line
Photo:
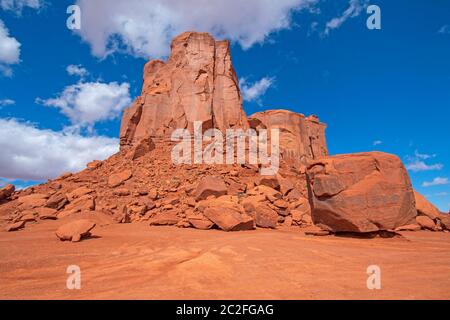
[(199, 83), (361, 193)]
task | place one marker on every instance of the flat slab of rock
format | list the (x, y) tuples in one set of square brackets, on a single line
[(199, 221), (117, 179), (15, 226), (75, 231), (409, 227), (165, 219), (228, 219), (32, 201), (79, 192), (364, 192), (210, 186), (46, 213)]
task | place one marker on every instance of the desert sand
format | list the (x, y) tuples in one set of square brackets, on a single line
[(135, 261)]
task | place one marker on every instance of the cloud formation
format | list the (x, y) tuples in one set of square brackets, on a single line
[(417, 162), (9, 50), (355, 7), (77, 70), (438, 181), (377, 142), (417, 166), (145, 29), (445, 29), (87, 103), (6, 102), (253, 92), (18, 5), (29, 153)]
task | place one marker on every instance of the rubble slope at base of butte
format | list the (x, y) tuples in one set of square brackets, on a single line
[(141, 183)]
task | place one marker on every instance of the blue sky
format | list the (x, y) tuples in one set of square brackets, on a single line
[(386, 90)]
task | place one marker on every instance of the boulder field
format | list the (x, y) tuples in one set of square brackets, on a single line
[(357, 193)]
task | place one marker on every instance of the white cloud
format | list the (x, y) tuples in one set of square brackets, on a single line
[(6, 102), (417, 162), (423, 156), (355, 8), (377, 142), (253, 92), (29, 153), (436, 182), (77, 70), (18, 5), (417, 166), (444, 29), (145, 29), (90, 102), (9, 50)]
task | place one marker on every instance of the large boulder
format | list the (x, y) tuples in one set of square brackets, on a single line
[(31, 201), (226, 213), (265, 217), (75, 230), (228, 219), (197, 83), (363, 192)]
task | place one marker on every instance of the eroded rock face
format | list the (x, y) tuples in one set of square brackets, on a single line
[(426, 223), (301, 138), (424, 207), (363, 192), (197, 83), (6, 191)]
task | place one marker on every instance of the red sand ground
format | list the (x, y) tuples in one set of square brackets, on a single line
[(135, 261)]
